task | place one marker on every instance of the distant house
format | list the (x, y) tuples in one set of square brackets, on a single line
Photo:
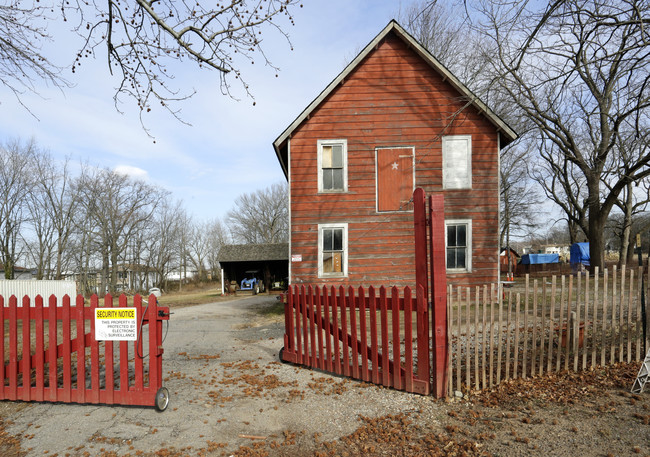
[(134, 277), (186, 274), (266, 262), (19, 273), (562, 251), (393, 120)]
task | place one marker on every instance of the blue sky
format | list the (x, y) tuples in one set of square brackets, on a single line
[(227, 150)]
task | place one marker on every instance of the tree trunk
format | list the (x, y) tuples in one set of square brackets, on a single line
[(113, 283), (630, 251), (596, 237), (9, 269), (58, 264), (627, 228), (105, 272)]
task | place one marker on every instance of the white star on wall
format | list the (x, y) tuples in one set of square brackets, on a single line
[(395, 165)]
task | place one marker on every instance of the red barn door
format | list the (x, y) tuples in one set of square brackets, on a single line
[(395, 179)]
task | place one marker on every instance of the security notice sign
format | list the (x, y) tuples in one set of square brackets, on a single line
[(116, 324)]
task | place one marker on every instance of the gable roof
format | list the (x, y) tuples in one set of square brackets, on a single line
[(253, 252), (503, 250), (507, 133)]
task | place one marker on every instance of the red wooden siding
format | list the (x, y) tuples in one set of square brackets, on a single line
[(393, 99)]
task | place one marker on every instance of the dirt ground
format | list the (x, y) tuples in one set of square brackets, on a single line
[(231, 397)]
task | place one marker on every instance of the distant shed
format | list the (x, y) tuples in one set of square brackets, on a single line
[(514, 259), (266, 262), (540, 263)]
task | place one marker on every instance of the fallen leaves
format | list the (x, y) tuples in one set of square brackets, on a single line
[(563, 388)]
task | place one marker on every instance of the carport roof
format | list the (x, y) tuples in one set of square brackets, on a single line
[(253, 252)]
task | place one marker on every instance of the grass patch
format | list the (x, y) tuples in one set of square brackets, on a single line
[(276, 309), (195, 296)]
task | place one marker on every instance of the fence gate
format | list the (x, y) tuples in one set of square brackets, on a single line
[(374, 335), (48, 358)]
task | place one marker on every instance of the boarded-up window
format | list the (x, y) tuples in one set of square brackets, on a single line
[(457, 162), (395, 179)]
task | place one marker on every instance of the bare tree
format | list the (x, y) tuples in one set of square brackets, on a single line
[(578, 70), (634, 198), (163, 234), (438, 27), (58, 201), (564, 185), (633, 205), (117, 206), (40, 250), (217, 237), (16, 172), (261, 216), (198, 247), (520, 201), (23, 29), (140, 41)]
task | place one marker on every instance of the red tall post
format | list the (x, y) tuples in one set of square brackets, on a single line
[(430, 259), (438, 293), (420, 228)]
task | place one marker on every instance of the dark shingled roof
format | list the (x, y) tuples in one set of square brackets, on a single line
[(253, 252)]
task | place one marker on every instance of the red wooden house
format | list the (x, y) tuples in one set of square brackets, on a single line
[(393, 120)]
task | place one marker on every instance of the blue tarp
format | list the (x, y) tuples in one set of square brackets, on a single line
[(533, 259), (580, 253)]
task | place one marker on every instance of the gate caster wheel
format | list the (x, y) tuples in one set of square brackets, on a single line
[(162, 399), (281, 354)]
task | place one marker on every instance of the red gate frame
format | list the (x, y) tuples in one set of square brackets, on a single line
[(31, 366), (430, 251)]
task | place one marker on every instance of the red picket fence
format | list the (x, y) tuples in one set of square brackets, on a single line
[(371, 337), (46, 358), (364, 336)]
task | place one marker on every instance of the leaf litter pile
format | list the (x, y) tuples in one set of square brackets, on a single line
[(588, 413)]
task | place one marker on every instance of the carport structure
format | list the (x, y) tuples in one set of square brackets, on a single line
[(267, 262)]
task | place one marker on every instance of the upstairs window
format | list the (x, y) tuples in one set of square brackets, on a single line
[(457, 162), (332, 250), (332, 166), (459, 246)]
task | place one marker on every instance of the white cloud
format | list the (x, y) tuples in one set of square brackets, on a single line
[(134, 172)]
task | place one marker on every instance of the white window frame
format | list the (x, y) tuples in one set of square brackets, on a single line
[(450, 177), (320, 144), (344, 266), (468, 259)]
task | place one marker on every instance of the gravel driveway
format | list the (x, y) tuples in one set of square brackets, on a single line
[(229, 395)]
